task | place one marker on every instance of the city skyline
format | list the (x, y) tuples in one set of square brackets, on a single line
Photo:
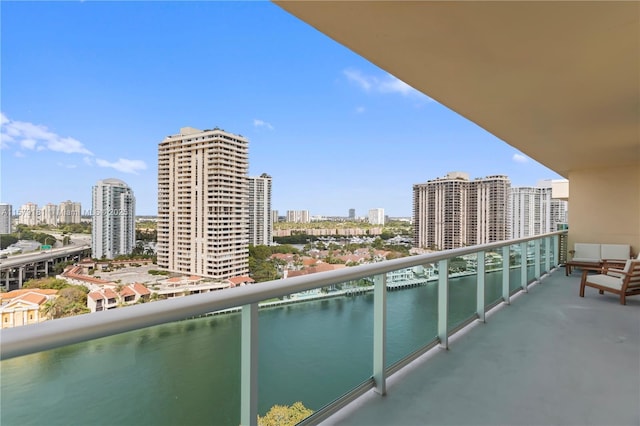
[(111, 89)]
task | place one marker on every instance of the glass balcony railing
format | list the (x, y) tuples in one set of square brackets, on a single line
[(227, 357)]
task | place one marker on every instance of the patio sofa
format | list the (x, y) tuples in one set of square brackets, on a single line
[(593, 256)]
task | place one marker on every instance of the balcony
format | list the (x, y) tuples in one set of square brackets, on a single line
[(544, 355)]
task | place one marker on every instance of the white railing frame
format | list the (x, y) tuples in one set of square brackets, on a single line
[(29, 339)]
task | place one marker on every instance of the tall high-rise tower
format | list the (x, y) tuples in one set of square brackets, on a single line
[(260, 220), (113, 219), (453, 211), (534, 211), (69, 212), (376, 216), (49, 214), (203, 203), (28, 214), (6, 211)]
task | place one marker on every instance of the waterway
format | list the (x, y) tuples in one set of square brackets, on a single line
[(188, 372)]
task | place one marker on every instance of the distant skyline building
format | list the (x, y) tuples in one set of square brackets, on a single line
[(203, 203), (376, 216), (298, 216), (534, 211), (49, 214), (260, 220), (113, 230), (452, 211), (6, 212), (69, 212), (28, 214), (352, 214)]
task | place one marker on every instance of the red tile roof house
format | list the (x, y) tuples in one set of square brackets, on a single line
[(321, 267), (238, 281), (106, 298), (132, 293), (73, 275)]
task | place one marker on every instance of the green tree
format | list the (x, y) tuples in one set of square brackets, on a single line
[(283, 415), (59, 267), (259, 252), (46, 283), (7, 240)]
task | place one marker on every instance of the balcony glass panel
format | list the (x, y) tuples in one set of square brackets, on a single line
[(493, 278), (314, 351), (412, 313), (463, 284), (543, 253), (164, 375), (515, 262)]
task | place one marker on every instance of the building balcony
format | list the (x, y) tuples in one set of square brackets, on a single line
[(480, 347)]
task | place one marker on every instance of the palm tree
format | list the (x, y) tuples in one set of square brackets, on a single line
[(50, 309)]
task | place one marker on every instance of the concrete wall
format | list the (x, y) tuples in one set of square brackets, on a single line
[(604, 206)]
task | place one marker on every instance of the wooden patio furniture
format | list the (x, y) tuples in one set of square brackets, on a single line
[(623, 282)]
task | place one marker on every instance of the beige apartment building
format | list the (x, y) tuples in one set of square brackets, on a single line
[(203, 203), (453, 211), (28, 214), (69, 212)]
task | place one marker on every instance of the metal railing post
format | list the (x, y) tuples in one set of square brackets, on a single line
[(523, 266), (556, 251), (249, 366), (380, 332), (443, 302), (506, 274)]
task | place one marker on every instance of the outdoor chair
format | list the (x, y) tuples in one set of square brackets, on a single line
[(623, 282)]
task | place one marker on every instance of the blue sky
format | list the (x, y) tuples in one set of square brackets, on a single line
[(89, 89)]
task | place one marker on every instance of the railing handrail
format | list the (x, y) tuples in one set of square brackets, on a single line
[(47, 335)]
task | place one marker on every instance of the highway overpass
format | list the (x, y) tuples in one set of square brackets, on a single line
[(17, 269)]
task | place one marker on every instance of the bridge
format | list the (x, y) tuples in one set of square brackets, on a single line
[(15, 270)]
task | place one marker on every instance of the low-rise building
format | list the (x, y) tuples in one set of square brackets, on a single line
[(22, 307)]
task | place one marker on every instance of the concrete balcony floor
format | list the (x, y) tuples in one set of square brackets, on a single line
[(549, 358)]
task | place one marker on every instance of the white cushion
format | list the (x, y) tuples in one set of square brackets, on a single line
[(586, 251), (618, 272), (586, 259), (615, 251), (605, 281)]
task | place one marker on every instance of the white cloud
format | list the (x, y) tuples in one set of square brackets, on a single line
[(67, 166), (395, 86), (88, 161), (28, 143), (360, 110), (519, 158), (19, 154), (123, 165), (388, 84), (36, 137), (261, 123), (356, 77)]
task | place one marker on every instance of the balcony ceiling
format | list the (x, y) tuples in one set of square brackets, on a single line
[(559, 81)]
